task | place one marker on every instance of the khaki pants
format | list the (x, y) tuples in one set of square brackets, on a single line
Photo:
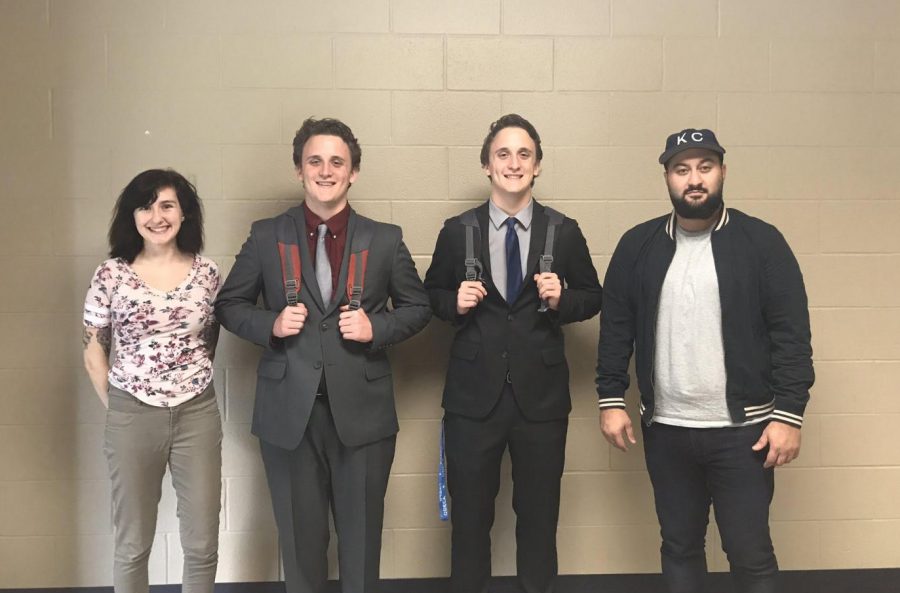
[(141, 441)]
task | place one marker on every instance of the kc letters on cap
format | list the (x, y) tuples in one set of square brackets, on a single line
[(689, 138)]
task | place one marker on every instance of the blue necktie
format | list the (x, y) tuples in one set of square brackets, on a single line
[(513, 262)]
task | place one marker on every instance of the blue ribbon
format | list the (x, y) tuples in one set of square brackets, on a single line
[(443, 498)]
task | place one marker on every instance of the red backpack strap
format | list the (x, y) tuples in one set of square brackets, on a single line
[(363, 231), (290, 270), (356, 278)]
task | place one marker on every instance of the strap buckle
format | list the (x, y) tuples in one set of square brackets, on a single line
[(546, 263), (290, 291), (355, 298), (474, 269)]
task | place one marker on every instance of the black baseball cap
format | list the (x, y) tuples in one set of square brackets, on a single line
[(687, 139)]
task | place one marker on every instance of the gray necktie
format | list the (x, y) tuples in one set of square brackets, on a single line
[(323, 266)]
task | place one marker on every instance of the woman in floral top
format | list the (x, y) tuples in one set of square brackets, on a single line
[(152, 303)]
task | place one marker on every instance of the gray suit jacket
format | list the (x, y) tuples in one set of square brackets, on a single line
[(358, 376)]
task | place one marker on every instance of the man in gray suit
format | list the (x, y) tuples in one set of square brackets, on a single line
[(324, 409)]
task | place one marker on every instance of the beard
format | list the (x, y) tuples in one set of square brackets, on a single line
[(694, 211)]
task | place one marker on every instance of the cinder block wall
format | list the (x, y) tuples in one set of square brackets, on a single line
[(805, 95)]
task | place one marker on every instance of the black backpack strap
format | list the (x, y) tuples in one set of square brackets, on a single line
[(289, 252), (546, 265), (473, 265), (556, 218), (359, 259)]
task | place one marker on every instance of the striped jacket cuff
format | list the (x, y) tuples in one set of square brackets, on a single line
[(788, 418), (611, 402), (758, 412)]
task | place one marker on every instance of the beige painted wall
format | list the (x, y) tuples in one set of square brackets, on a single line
[(805, 95)]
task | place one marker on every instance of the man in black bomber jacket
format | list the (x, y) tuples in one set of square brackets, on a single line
[(712, 301), (508, 381)]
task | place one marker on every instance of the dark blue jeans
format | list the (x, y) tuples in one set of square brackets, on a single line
[(693, 467)]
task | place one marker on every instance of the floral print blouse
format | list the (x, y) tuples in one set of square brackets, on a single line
[(163, 341)]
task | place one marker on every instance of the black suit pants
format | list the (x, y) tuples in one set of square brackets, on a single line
[(321, 473), (474, 449)]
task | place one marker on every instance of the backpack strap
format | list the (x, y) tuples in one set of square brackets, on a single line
[(546, 260), (289, 252), (474, 268), (359, 259)]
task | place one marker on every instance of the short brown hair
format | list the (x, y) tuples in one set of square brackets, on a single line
[(327, 127), (510, 120)]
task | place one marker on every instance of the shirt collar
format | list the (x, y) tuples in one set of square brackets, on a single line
[(498, 217), (335, 225)]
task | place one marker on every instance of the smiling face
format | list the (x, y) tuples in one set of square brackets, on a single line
[(695, 179), (158, 223), (326, 172), (512, 164)]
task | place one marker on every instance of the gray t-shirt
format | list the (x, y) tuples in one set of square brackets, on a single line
[(690, 358)]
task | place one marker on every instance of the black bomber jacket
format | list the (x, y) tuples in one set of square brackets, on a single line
[(765, 317)]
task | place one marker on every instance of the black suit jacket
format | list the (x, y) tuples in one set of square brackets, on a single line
[(496, 336), (358, 376)]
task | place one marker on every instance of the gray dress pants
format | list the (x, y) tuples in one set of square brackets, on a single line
[(323, 473), (141, 441)]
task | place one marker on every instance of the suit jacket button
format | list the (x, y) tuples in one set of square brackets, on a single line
[(509, 317), (504, 355), (324, 326), (318, 364)]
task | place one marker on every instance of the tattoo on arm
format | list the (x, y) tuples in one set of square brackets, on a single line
[(104, 338), (103, 335)]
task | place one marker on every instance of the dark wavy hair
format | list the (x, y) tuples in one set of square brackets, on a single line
[(124, 239), (510, 120), (327, 126)]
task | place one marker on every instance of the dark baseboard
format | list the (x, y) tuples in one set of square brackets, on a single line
[(882, 580)]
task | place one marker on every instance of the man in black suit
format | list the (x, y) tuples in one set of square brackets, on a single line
[(324, 409), (508, 382)]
